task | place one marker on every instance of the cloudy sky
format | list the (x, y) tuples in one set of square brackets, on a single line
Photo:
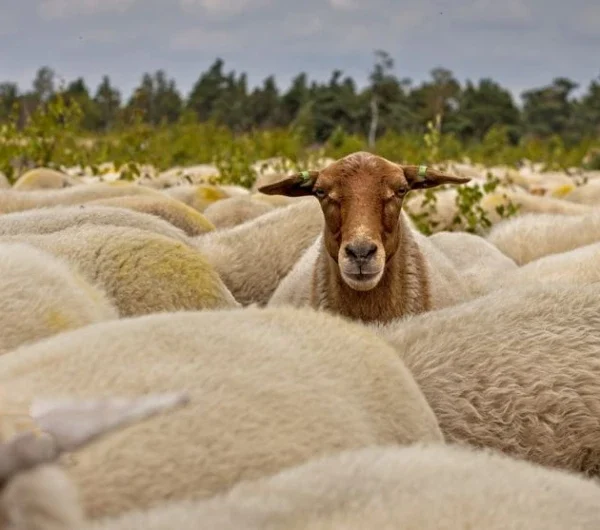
[(520, 43)]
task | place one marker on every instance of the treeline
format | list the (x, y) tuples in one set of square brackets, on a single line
[(387, 105)]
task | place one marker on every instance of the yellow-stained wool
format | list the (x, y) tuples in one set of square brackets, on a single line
[(44, 178), (562, 191), (179, 214), (198, 196), (140, 271)]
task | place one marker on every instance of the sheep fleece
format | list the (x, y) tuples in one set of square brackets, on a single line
[(517, 370), (141, 272), (269, 389), (42, 296), (421, 487)]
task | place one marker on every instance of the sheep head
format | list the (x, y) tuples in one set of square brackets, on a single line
[(361, 196)]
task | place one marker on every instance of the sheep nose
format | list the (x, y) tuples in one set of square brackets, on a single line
[(361, 251)]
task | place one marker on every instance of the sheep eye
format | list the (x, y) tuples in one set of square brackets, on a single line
[(319, 193), (400, 192)]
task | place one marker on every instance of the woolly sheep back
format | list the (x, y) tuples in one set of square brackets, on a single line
[(254, 257), (577, 267), (528, 237), (421, 487), (480, 263), (42, 296), (43, 178), (140, 271), (517, 370), (184, 217), (268, 389), (198, 196), (56, 218), (588, 194), (16, 201), (234, 211)]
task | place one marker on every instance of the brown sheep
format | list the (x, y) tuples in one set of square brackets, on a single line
[(368, 263)]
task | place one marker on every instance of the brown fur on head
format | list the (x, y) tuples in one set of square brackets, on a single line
[(361, 196)]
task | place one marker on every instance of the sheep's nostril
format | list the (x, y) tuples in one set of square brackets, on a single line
[(361, 251), (350, 252)]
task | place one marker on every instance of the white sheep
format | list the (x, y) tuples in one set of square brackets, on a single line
[(234, 211), (141, 272), (16, 201), (516, 370), (529, 237), (56, 218), (269, 388), (418, 487), (35, 493), (578, 267), (368, 263), (41, 296), (588, 194), (254, 257), (480, 263), (44, 178)]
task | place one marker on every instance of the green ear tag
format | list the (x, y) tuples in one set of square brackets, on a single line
[(305, 176), (422, 173)]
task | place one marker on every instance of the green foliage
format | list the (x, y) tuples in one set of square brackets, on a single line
[(432, 139), (47, 139), (471, 216), (424, 219)]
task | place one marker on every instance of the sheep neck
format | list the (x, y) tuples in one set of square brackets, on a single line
[(404, 288)]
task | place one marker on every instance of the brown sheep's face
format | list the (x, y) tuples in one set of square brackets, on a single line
[(361, 196)]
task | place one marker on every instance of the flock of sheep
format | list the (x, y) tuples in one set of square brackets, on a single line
[(179, 354)]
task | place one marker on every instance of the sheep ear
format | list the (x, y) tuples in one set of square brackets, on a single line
[(70, 424), (298, 185), (75, 423), (420, 177)]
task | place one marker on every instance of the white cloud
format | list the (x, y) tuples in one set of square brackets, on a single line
[(221, 7), (57, 9), (344, 4)]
